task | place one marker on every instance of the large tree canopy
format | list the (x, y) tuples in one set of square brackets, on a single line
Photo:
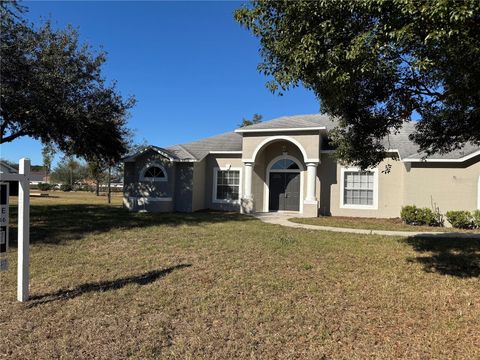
[(52, 89), (374, 63)]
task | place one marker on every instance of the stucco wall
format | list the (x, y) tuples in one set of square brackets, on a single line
[(183, 187), (137, 192), (198, 195), (310, 141), (221, 161), (451, 186), (448, 186), (258, 181), (390, 190)]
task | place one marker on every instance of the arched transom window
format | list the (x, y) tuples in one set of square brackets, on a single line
[(154, 172), (285, 164)]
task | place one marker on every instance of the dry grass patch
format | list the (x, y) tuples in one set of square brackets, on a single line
[(108, 284), (395, 224)]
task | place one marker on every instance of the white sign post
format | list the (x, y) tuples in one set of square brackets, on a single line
[(4, 191), (23, 272), (23, 178)]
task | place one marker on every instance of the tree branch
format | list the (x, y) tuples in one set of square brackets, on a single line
[(13, 136)]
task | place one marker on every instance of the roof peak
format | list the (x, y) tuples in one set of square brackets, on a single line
[(316, 121)]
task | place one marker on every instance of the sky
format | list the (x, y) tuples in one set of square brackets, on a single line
[(190, 66)]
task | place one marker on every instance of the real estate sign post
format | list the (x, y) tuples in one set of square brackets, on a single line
[(23, 178), (3, 226)]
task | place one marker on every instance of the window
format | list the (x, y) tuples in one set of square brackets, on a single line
[(227, 185), (154, 172), (285, 164), (359, 189)]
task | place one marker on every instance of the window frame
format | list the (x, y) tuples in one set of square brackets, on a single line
[(374, 205), (215, 184), (284, 158), (154, 179)]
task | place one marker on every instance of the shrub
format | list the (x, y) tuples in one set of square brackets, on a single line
[(409, 214), (476, 218), (85, 187), (426, 217), (66, 187), (44, 186), (413, 215), (460, 219)]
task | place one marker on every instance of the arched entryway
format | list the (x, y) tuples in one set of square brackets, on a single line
[(284, 184), (279, 165)]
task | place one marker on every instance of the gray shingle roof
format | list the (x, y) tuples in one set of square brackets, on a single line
[(173, 154), (232, 141), (407, 149), (180, 152), (401, 142), (467, 150), (296, 121)]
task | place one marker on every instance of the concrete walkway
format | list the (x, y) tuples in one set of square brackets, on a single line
[(281, 218)]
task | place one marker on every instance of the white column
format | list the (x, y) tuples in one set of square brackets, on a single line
[(23, 231), (247, 194), (311, 181)]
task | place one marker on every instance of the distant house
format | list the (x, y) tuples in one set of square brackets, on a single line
[(37, 177), (287, 164)]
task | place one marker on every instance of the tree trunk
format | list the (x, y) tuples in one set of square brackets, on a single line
[(97, 187), (109, 184)]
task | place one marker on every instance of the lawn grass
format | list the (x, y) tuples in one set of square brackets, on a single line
[(109, 284), (395, 224)]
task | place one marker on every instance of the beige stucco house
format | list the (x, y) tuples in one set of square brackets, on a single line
[(286, 164)]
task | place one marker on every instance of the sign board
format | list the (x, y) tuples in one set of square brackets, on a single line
[(3, 225)]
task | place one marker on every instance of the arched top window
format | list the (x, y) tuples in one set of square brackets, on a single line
[(285, 164), (153, 172)]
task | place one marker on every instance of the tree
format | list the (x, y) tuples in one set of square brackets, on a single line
[(52, 89), (374, 64), (48, 152), (257, 118), (69, 171), (97, 171)]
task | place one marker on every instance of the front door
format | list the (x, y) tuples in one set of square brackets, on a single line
[(284, 191)]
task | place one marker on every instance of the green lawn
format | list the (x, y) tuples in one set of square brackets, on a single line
[(373, 224), (108, 284)]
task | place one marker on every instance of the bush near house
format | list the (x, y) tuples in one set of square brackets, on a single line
[(413, 215), (66, 187), (476, 218), (462, 219), (44, 187)]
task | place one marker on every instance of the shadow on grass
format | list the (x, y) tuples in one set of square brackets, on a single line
[(53, 224), (453, 255), (102, 286)]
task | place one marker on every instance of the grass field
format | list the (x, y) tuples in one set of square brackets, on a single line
[(373, 224), (108, 284)]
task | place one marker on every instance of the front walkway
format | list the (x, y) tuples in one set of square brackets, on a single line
[(281, 218)]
